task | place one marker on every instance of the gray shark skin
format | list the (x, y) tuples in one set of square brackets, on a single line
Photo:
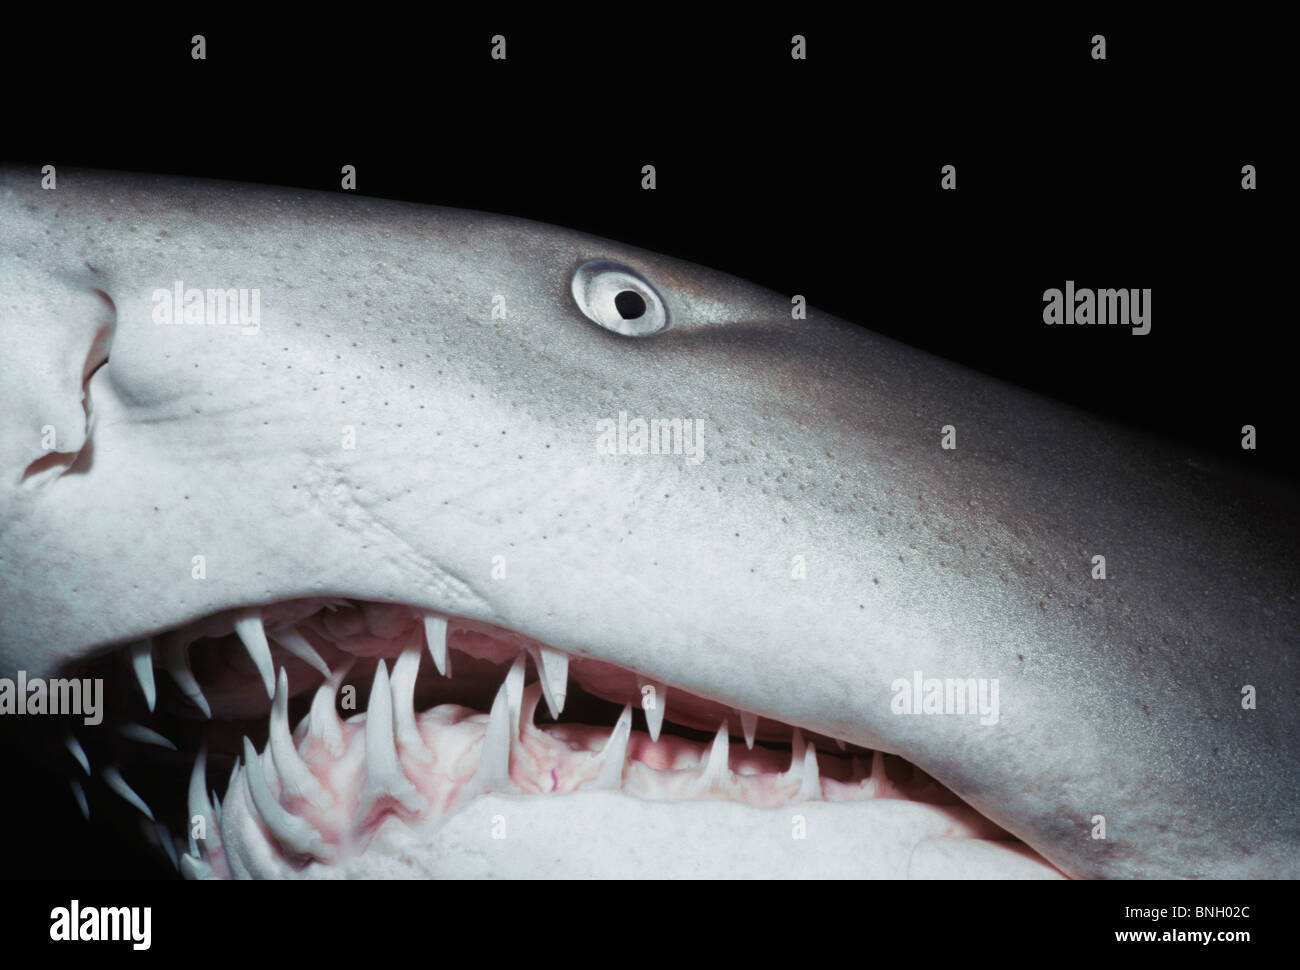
[(476, 437)]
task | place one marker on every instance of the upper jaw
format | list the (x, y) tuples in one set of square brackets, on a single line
[(665, 611)]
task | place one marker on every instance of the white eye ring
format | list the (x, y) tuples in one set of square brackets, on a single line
[(619, 299)]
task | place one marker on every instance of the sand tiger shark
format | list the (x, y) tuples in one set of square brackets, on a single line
[(413, 541)]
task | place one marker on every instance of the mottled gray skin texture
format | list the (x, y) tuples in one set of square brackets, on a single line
[(476, 438)]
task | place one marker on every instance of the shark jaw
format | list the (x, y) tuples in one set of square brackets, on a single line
[(483, 752)]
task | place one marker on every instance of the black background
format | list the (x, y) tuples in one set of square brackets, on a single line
[(818, 177)]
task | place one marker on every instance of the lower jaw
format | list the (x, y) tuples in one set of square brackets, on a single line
[(479, 784)]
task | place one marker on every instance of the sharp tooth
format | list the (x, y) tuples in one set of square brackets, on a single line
[(749, 724), (876, 783), (141, 657), (237, 861), (164, 839), (715, 765), (614, 755), (553, 672), (248, 626), (292, 831), (192, 868), (79, 794), (323, 722), (113, 779), (234, 772), (514, 685), (296, 644), (435, 633), (797, 746), (384, 776), (532, 695), (138, 732), (197, 804), (178, 665), (296, 777), (803, 765), (405, 671), (78, 752), (719, 752), (216, 801), (811, 786), (522, 757), (653, 704), (493, 771), (841, 744)]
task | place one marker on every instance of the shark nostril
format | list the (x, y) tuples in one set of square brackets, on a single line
[(66, 443), (629, 305)]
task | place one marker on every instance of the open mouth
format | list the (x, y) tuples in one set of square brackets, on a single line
[(404, 717)]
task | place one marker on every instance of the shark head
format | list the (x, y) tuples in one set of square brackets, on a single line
[(489, 488)]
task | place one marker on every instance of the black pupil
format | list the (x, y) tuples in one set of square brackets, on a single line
[(629, 305)]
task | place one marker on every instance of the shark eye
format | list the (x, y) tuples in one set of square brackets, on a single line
[(619, 299)]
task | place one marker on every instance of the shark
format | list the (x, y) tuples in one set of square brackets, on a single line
[(409, 541)]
